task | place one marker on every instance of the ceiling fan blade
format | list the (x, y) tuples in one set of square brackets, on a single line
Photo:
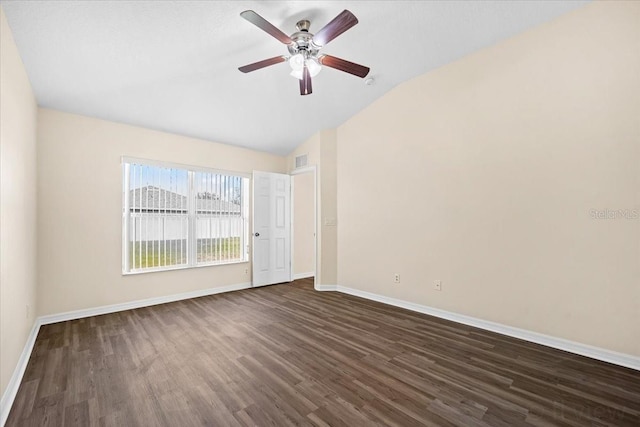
[(261, 64), (344, 65), (266, 26), (333, 29), (305, 82)]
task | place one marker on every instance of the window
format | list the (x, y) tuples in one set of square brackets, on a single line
[(178, 217)]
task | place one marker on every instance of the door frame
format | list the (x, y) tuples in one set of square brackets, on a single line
[(307, 169)]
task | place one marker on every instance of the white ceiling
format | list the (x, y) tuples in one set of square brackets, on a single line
[(172, 65)]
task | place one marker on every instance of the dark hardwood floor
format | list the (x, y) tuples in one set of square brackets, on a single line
[(287, 355)]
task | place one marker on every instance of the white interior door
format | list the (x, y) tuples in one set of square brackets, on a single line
[(271, 228)]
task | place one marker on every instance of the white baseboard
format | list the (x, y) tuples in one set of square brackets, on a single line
[(324, 288), (106, 309), (303, 275), (597, 353), (14, 383)]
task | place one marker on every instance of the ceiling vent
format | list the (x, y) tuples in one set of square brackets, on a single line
[(301, 161)]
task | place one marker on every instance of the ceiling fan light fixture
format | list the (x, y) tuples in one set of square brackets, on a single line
[(297, 62), (297, 74), (312, 64)]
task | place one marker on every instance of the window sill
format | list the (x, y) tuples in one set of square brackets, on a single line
[(182, 267)]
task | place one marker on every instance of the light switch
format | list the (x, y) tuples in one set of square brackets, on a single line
[(330, 222)]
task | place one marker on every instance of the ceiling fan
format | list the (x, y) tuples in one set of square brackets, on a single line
[(304, 48)]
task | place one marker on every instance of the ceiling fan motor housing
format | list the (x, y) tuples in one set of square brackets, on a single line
[(303, 25), (303, 40)]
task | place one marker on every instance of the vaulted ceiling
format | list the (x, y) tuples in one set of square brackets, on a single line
[(173, 65)]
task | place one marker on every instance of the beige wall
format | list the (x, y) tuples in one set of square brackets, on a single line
[(483, 173), (311, 147), (303, 223), (18, 113), (321, 149), (80, 210), (328, 207)]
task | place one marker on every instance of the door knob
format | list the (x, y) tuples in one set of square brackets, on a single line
[(257, 234)]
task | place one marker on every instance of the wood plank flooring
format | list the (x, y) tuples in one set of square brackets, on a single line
[(287, 355)]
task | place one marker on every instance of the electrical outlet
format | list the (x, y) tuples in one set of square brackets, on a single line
[(246, 271), (396, 278), (437, 285)]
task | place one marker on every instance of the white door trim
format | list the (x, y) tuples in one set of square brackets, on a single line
[(308, 169)]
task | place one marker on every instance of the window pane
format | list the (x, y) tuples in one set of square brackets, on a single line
[(158, 217), (219, 219)]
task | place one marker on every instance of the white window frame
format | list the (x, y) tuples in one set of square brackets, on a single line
[(191, 216)]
